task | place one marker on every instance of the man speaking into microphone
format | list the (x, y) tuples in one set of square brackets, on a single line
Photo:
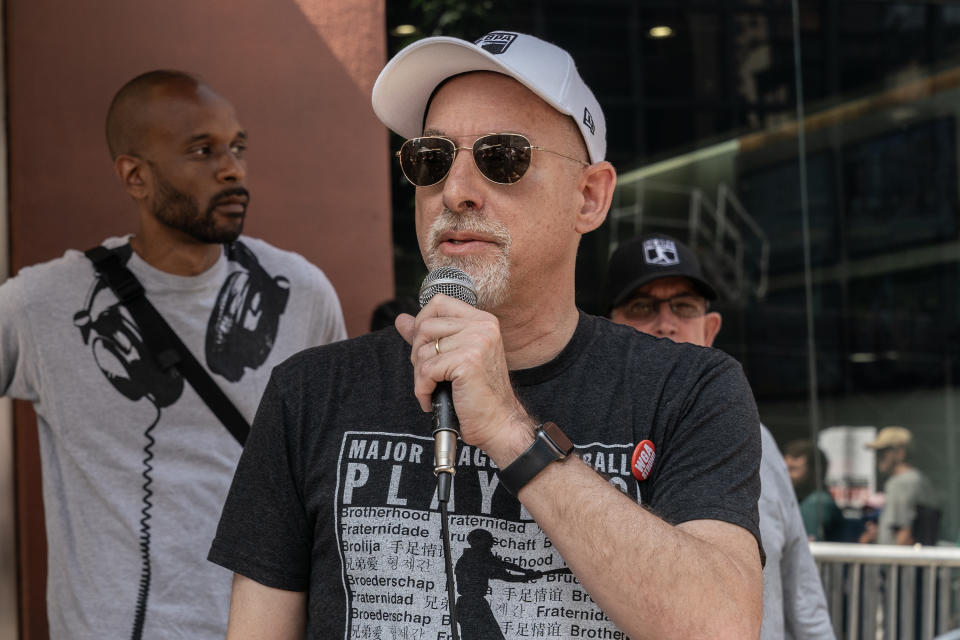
[(332, 525)]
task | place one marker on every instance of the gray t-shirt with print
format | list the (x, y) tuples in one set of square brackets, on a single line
[(132, 459)]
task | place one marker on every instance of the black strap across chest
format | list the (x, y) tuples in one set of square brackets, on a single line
[(163, 342)]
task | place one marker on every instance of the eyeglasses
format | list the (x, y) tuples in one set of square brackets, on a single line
[(685, 306), (502, 158)]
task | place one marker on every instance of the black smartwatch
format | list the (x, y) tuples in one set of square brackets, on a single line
[(551, 445)]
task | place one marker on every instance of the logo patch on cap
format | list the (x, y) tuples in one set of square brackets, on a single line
[(496, 42), (661, 252), (588, 121)]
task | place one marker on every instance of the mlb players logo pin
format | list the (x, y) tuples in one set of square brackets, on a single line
[(642, 461)]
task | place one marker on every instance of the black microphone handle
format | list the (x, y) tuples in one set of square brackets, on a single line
[(446, 429), (444, 417)]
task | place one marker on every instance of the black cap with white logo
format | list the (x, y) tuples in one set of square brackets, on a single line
[(641, 260)]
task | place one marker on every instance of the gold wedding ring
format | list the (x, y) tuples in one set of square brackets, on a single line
[(436, 345)]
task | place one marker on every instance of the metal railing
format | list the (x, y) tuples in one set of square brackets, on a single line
[(737, 249), (881, 592)]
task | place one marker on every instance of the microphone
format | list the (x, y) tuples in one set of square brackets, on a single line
[(452, 282)]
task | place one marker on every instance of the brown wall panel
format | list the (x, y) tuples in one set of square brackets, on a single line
[(299, 73), (31, 533)]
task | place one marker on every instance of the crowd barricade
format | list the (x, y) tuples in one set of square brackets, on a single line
[(884, 592)]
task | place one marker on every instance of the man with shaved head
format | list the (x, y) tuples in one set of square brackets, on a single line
[(147, 135), (617, 470), (135, 464)]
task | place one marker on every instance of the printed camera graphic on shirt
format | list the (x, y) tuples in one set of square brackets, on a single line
[(243, 325), (120, 352)]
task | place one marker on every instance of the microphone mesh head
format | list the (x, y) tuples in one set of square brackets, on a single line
[(449, 281)]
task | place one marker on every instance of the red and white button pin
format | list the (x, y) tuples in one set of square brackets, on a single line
[(642, 461)]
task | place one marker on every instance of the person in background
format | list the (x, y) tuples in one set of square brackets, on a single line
[(135, 465), (822, 518), (910, 511), (656, 285)]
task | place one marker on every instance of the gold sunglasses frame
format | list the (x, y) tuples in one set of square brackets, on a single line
[(457, 149)]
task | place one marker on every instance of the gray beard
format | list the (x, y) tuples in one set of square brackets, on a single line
[(491, 275)]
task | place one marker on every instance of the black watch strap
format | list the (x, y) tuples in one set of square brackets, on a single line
[(551, 445)]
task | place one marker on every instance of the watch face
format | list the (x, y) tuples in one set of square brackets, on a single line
[(557, 437)]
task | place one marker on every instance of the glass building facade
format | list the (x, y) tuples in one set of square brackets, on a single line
[(808, 152)]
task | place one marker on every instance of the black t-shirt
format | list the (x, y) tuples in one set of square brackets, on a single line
[(334, 493)]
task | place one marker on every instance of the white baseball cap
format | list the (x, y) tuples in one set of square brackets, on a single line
[(406, 84)]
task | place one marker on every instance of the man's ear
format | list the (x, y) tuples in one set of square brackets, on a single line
[(134, 174), (711, 327), (596, 188)]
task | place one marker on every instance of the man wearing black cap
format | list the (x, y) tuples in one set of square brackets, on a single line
[(656, 285), (332, 522)]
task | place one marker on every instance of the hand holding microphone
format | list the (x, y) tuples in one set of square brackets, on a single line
[(446, 428), (436, 323), (461, 346)]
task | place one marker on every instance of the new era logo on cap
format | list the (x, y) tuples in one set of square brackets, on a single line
[(588, 120), (661, 252), (496, 42)]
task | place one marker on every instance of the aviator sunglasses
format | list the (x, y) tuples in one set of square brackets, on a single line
[(502, 158)]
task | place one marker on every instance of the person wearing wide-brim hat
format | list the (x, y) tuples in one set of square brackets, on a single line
[(907, 493)]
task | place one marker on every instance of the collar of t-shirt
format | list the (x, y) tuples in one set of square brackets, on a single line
[(586, 326)]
